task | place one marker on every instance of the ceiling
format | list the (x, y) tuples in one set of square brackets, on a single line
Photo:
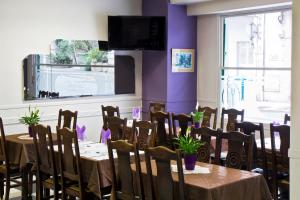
[(190, 1)]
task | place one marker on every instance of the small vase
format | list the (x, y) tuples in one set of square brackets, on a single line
[(190, 161), (30, 131), (197, 124)]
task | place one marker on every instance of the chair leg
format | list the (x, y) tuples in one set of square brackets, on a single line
[(1, 186), (7, 188)]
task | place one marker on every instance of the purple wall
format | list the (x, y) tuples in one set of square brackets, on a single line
[(177, 90), (182, 87)]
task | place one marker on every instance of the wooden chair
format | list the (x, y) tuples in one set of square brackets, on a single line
[(207, 114), (280, 158), (184, 121), (232, 118), (249, 128), (71, 175), (164, 183), (287, 118), (8, 172), (237, 143), (164, 134), (123, 185), (109, 111), (156, 106), (205, 134), (116, 126), (67, 116), (47, 177), (144, 134)]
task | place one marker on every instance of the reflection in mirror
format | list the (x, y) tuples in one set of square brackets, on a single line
[(74, 69)]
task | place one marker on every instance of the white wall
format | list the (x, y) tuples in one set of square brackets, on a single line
[(208, 60), (295, 111), (28, 27)]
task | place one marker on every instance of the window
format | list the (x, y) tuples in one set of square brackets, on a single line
[(256, 72)]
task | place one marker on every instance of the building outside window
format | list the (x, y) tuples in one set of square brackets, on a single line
[(256, 72)]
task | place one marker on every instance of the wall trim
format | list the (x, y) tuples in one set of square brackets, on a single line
[(53, 117), (71, 101)]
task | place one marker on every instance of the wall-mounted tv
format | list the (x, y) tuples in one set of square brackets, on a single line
[(136, 32)]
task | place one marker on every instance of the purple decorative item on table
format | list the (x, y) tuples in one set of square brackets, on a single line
[(105, 135), (136, 113), (276, 123), (190, 161), (81, 132)]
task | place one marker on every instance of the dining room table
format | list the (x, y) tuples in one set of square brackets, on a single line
[(211, 182), (94, 162)]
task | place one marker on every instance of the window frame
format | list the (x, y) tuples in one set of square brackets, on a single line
[(222, 68)]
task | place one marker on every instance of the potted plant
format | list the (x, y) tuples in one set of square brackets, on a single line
[(197, 116), (30, 120), (189, 147)]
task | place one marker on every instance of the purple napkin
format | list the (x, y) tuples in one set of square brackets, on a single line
[(276, 123), (81, 132), (105, 135), (136, 113)]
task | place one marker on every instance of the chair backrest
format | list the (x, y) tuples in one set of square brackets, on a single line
[(250, 128), (116, 126), (164, 181), (3, 154), (156, 106), (109, 111), (283, 132), (232, 118), (69, 160), (43, 143), (280, 159), (144, 133), (69, 119), (236, 149), (207, 114), (123, 185), (205, 134), (164, 134), (287, 118), (183, 121)]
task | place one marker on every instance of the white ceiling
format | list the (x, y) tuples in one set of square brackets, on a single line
[(189, 1)]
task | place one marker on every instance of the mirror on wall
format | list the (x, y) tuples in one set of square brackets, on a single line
[(77, 68)]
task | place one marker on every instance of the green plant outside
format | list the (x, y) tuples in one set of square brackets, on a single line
[(32, 119), (188, 145)]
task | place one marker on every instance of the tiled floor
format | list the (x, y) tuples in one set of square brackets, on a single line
[(16, 194)]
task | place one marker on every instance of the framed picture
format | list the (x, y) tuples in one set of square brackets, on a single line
[(183, 60)]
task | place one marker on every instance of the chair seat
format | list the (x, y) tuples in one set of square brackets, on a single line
[(14, 169), (74, 190)]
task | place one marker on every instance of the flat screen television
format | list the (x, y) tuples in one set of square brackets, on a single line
[(136, 32)]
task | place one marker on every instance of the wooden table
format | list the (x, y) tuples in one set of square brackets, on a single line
[(94, 162), (21, 152), (221, 183)]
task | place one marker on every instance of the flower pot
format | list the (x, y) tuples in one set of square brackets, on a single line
[(190, 161), (197, 124), (30, 131)]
